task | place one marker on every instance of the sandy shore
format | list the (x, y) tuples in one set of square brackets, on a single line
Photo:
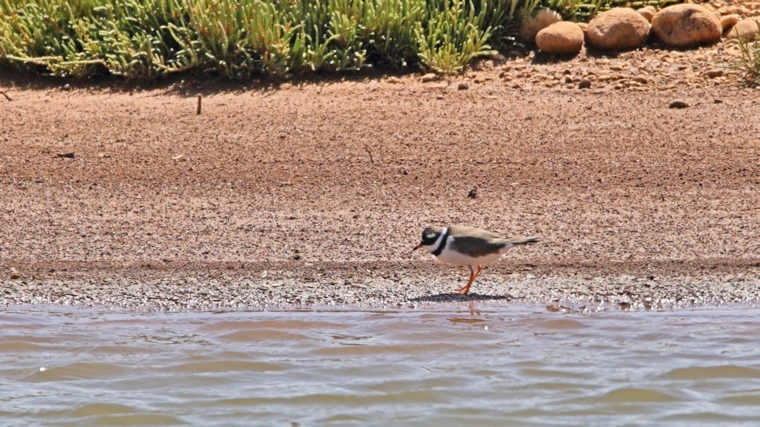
[(313, 194)]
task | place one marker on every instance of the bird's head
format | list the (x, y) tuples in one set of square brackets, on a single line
[(429, 237)]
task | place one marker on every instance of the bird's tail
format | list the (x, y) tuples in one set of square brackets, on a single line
[(522, 240)]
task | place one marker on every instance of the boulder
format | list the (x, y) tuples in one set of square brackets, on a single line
[(686, 24), (746, 29), (647, 12), (533, 24), (562, 38), (727, 22), (619, 28)]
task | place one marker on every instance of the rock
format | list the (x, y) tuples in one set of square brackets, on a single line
[(430, 77), (498, 59), (584, 84), (647, 12), (707, 6), (678, 104), (533, 24), (686, 24), (619, 28), (746, 29), (463, 86), (563, 38), (640, 80), (714, 73), (733, 9), (727, 22)]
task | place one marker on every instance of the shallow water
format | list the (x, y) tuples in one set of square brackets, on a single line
[(497, 366)]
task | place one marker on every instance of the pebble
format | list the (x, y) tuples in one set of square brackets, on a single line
[(204, 292), (430, 77)]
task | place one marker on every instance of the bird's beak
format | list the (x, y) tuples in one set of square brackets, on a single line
[(417, 247)]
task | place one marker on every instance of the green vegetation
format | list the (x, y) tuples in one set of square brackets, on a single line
[(148, 39), (749, 61)]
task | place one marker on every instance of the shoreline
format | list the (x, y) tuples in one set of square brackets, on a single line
[(315, 194), (419, 285)]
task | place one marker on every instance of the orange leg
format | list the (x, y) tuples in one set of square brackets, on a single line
[(464, 290)]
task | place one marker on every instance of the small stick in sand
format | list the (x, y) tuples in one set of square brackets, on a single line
[(6, 95), (198, 111)]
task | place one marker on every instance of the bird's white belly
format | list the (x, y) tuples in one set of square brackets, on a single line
[(458, 258)]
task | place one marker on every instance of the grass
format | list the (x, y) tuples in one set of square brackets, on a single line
[(150, 39), (749, 59)]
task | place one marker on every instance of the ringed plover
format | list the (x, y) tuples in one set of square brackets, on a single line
[(470, 246)]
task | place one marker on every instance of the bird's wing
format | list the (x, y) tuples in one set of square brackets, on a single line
[(474, 241)]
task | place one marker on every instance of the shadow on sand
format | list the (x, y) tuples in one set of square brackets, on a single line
[(454, 297)]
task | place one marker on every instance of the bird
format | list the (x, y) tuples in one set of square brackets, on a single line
[(470, 246)]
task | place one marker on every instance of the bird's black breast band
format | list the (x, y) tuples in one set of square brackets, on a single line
[(440, 247)]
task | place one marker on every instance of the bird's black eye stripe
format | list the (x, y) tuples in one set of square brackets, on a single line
[(429, 237), (442, 244)]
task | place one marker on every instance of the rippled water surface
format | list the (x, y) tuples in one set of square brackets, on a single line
[(496, 366)]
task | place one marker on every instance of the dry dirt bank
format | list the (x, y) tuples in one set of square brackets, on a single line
[(313, 194)]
